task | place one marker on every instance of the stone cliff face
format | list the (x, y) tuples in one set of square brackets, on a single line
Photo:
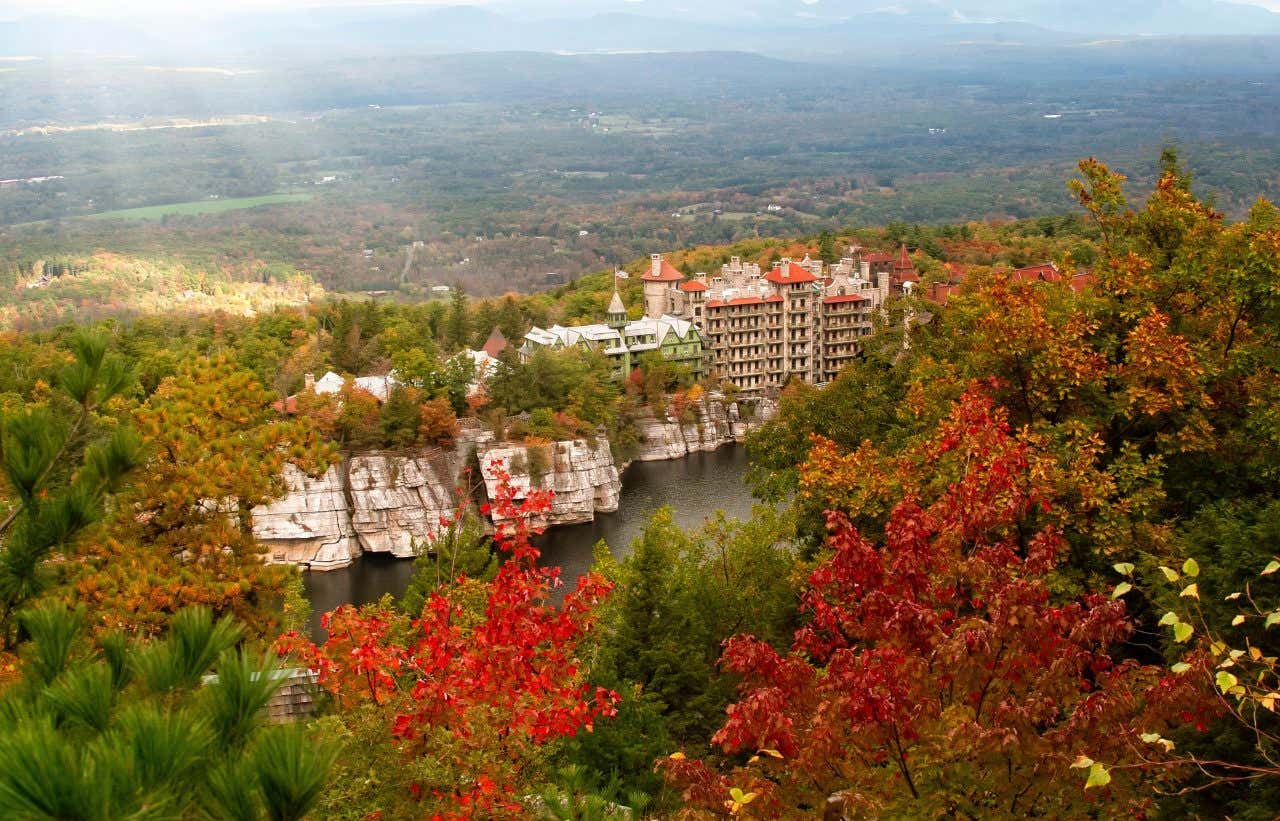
[(583, 478), (387, 503), (717, 423), (370, 503)]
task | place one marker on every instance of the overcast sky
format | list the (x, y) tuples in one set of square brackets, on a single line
[(130, 8)]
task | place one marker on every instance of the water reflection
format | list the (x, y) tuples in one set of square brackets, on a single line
[(694, 488)]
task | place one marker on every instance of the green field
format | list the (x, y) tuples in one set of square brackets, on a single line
[(155, 212)]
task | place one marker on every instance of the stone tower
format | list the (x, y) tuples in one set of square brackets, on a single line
[(659, 281)]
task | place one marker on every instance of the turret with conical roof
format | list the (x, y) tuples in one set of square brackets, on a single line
[(617, 314)]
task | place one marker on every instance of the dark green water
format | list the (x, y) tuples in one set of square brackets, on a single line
[(694, 488)]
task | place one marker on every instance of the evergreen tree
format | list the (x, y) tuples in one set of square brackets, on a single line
[(458, 321), (113, 729), (461, 549), (60, 465)]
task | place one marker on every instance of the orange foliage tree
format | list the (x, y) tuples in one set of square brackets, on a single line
[(182, 533)]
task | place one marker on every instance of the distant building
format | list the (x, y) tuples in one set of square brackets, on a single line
[(800, 319), (625, 341), (495, 344)]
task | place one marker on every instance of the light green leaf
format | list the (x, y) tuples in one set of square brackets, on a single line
[(1232, 597), (1225, 681), (1191, 568), (1169, 618), (1169, 573), (1150, 738), (1081, 762), (1272, 619), (1271, 568), (1124, 568), (1191, 591), (1182, 632), (1098, 776), (1180, 667), (1121, 589)]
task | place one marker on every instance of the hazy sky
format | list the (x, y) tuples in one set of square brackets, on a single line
[(130, 8)]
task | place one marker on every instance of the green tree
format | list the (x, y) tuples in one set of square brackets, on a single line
[(401, 417), (458, 321), (60, 461), (462, 549), (163, 729)]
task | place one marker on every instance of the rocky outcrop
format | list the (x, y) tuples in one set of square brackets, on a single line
[(582, 476), (310, 525), (388, 503), (370, 503), (715, 423), (397, 502)]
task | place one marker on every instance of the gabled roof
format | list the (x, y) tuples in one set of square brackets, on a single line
[(790, 272), (878, 256), (330, 383), (1047, 272), (495, 344), (1082, 282), (615, 304), (693, 285), (666, 273)]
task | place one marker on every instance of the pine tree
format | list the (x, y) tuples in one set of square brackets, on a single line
[(60, 465), (115, 729)]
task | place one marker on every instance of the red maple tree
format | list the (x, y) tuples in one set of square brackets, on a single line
[(939, 673), (485, 675)]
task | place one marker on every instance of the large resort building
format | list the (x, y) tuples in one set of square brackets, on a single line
[(624, 341), (755, 327)]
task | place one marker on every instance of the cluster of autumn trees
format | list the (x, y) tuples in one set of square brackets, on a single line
[(1019, 560)]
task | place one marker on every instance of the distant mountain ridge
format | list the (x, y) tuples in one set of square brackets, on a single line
[(798, 28)]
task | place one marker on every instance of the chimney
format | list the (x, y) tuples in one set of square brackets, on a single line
[(655, 264), (865, 269), (309, 382)]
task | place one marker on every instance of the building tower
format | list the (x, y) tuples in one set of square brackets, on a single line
[(617, 315), (659, 282)]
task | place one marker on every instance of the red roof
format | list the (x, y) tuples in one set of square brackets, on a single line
[(774, 298), (878, 256), (288, 406), (693, 285), (906, 276), (1038, 273), (1082, 282), (940, 292), (495, 344), (843, 298), (793, 273), (742, 300), (666, 273)]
